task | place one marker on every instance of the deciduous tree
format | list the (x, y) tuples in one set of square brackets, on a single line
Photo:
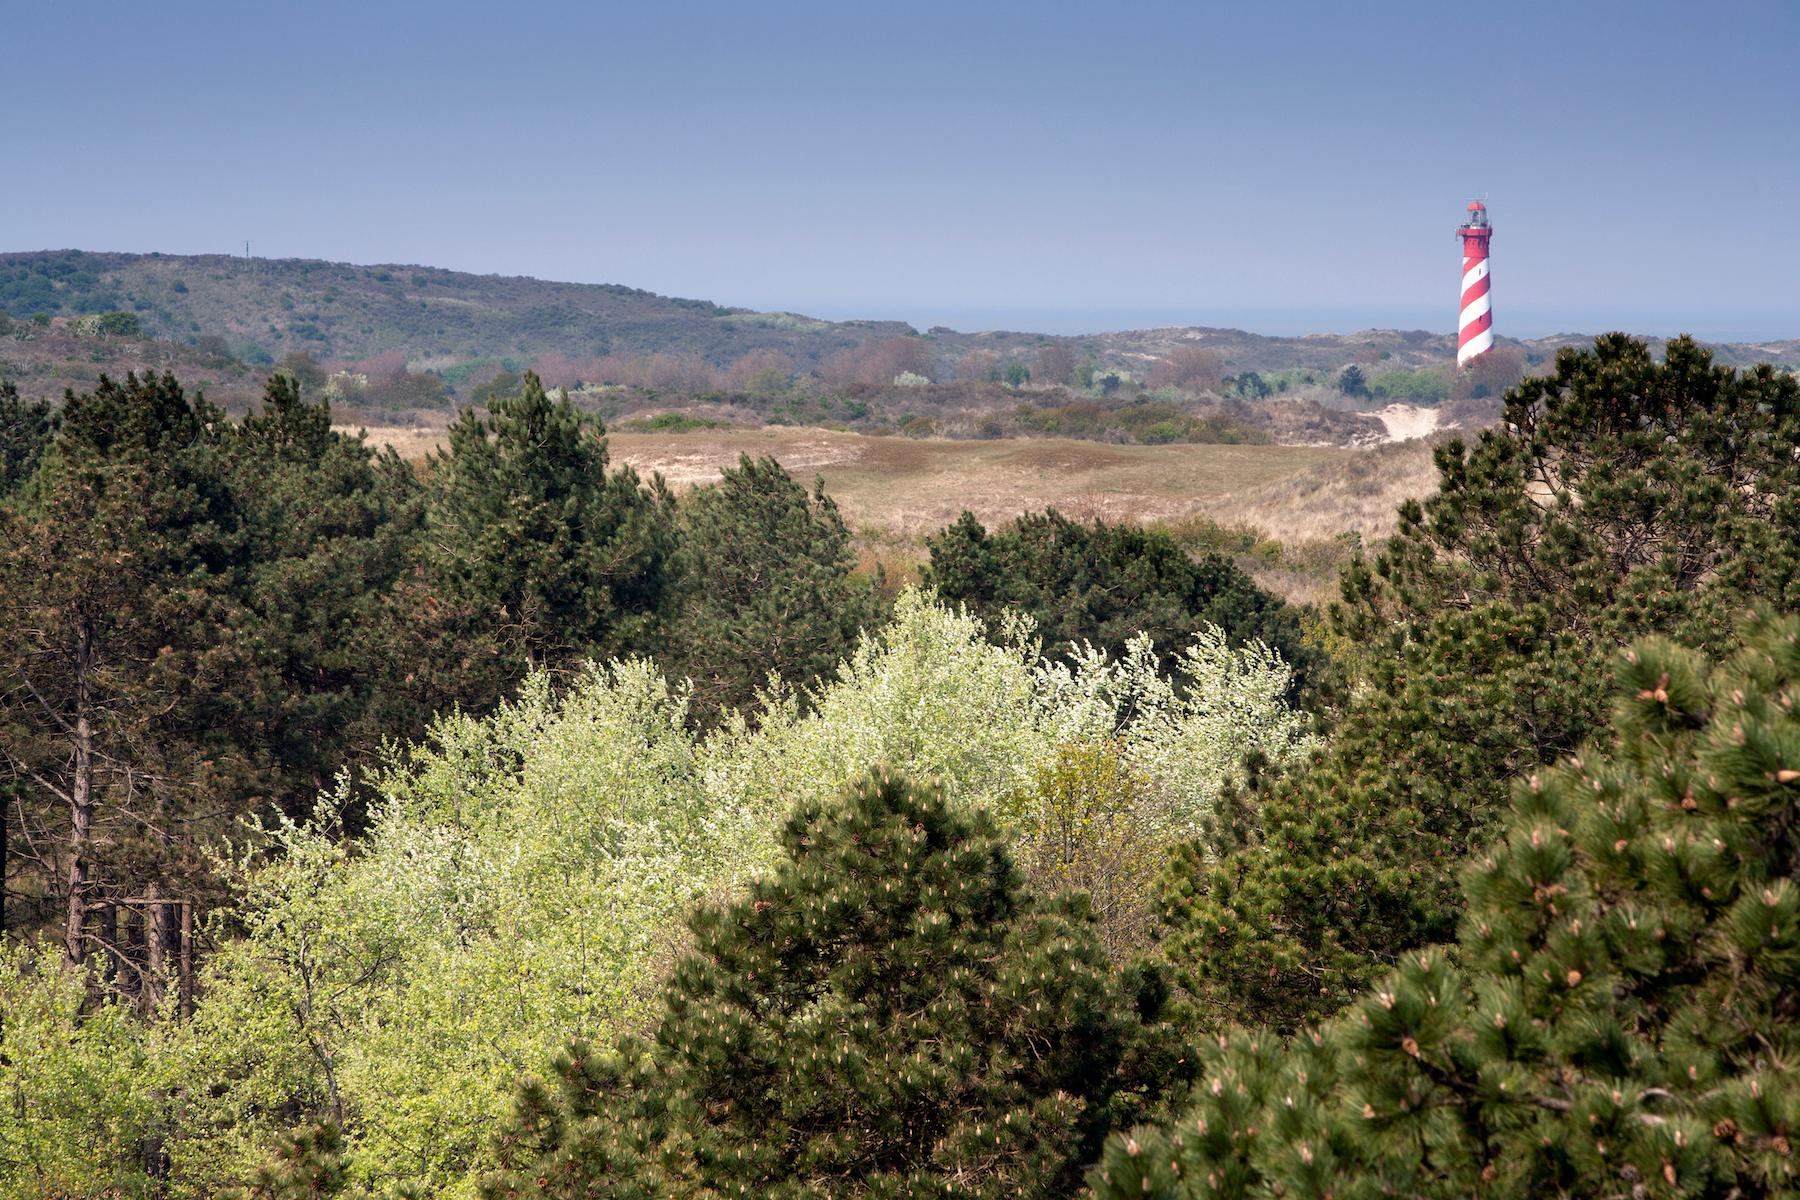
[(1055, 363), (1190, 368)]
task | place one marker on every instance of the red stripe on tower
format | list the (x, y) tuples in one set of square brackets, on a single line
[(1474, 324)]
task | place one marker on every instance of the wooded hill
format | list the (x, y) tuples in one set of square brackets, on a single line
[(266, 308)]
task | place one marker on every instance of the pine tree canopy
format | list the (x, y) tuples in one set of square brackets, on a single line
[(1619, 1015), (330, 527), (765, 586), (1103, 583), (546, 553), (192, 608), (122, 690), (1620, 493), (26, 428), (1620, 497), (891, 1014)]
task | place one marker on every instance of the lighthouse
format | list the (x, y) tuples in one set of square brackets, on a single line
[(1475, 327)]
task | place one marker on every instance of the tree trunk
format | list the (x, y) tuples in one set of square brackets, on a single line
[(187, 960), (5, 859), (81, 803), (156, 946), (112, 929), (131, 946)]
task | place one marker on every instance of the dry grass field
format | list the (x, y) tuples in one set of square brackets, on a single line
[(893, 491)]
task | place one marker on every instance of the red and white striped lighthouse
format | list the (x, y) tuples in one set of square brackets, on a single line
[(1475, 327)]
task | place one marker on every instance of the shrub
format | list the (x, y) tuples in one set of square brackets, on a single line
[(1102, 583), (80, 1082), (671, 422), (1087, 823), (1411, 387)]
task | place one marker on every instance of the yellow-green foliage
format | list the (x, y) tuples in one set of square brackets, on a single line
[(1087, 823), (525, 875), (80, 1091)]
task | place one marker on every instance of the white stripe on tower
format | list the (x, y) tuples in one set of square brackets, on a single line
[(1474, 326)]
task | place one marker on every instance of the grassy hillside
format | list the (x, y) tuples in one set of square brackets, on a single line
[(45, 360), (392, 343)]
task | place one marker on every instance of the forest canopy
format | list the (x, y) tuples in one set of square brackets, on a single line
[(514, 825)]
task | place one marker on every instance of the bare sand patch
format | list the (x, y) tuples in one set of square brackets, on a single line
[(1406, 422)]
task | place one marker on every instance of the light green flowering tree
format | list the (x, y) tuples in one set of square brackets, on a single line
[(525, 875), (82, 1086), (931, 696), (518, 879)]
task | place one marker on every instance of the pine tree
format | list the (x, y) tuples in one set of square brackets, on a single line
[(1620, 497), (765, 586), (1619, 1016), (330, 528), (890, 1015), (1619, 493), (1103, 583), (26, 428), (538, 552), (306, 1164), (309, 1163), (123, 702)]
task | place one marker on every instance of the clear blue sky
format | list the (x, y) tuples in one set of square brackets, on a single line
[(1277, 166)]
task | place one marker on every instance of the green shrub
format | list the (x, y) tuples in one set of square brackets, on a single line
[(1103, 583), (1411, 387), (81, 1083), (671, 422)]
